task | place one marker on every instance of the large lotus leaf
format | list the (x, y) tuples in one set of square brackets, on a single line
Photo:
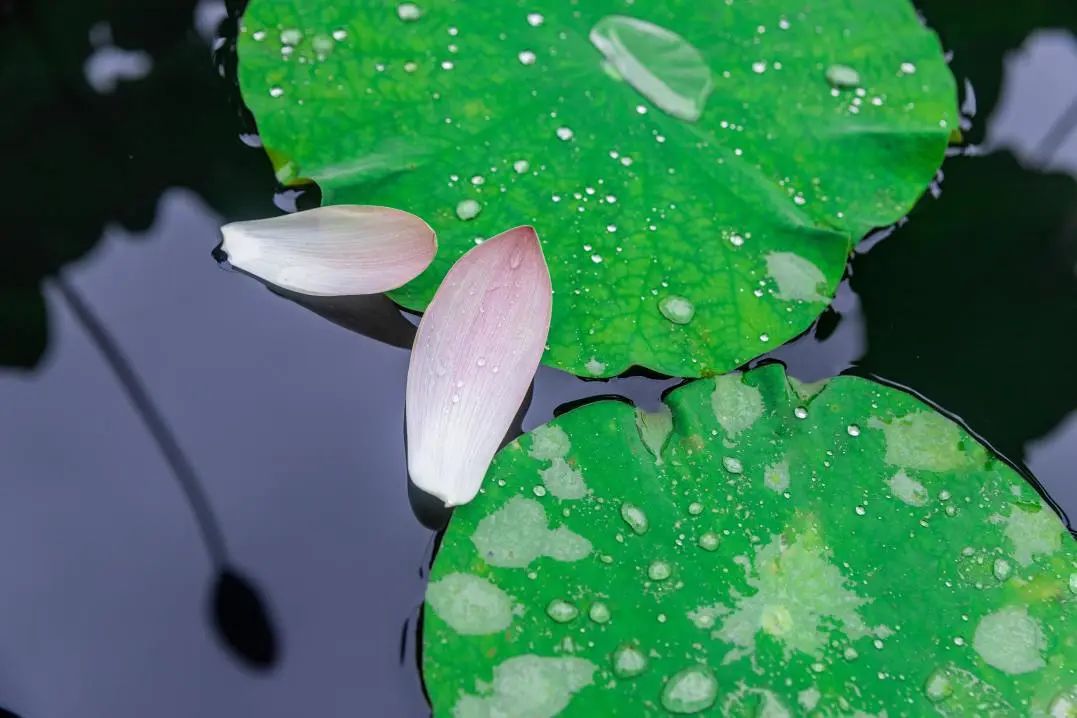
[(768, 548), (698, 171)]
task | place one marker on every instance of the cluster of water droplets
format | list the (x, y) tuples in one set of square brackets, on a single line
[(689, 690)]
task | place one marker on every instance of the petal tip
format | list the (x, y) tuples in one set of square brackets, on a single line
[(523, 233), (236, 245)]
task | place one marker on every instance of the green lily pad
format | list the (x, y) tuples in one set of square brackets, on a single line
[(768, 548), (716, 159)]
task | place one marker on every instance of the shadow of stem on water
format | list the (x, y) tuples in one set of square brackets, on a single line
[(238, 611)]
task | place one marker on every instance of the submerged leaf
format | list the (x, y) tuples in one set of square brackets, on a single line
[(670, 158), (332, 251), (834, 550), (475, 353)]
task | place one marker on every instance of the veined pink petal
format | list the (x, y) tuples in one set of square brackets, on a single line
[(333, 251), (476, 351)]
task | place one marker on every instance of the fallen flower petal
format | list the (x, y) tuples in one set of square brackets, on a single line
[(337, 250), (475, 354)]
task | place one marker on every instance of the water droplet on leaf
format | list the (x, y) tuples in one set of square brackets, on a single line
[(659, 571), (660, 64), (692, 690), (842, 76), (468, 209), (628, 662), (561, 611), (635, 518), (408, 11), (709, 541), (599, 612), (677, 309), (938, 686)]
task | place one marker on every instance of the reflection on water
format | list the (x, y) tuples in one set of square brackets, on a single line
[(293, 426), (1037, 112)]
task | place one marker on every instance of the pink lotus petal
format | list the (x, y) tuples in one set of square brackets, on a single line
[(476, 351), (333, 251)]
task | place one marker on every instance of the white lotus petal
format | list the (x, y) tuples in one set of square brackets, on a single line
[(476, 351), (333, 251)]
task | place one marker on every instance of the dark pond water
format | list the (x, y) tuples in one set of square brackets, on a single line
[(123, 153)]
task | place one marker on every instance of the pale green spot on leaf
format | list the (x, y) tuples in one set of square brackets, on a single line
[(517, 534), (549, 442), (563, 481), (806, 390), (958, 693), (1010, 640), (528, 687), (797, 592), (736, 405), (654, 428), (776, 476), (848, 574), (922, 440), (797, 279), (1033, 532), (907, 489), (471, 605), (754, 703)]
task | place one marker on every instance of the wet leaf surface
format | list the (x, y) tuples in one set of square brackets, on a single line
[(774, 546), (698, 173)]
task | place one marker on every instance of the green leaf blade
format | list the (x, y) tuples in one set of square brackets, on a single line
[(871, 543), (682, 189)]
